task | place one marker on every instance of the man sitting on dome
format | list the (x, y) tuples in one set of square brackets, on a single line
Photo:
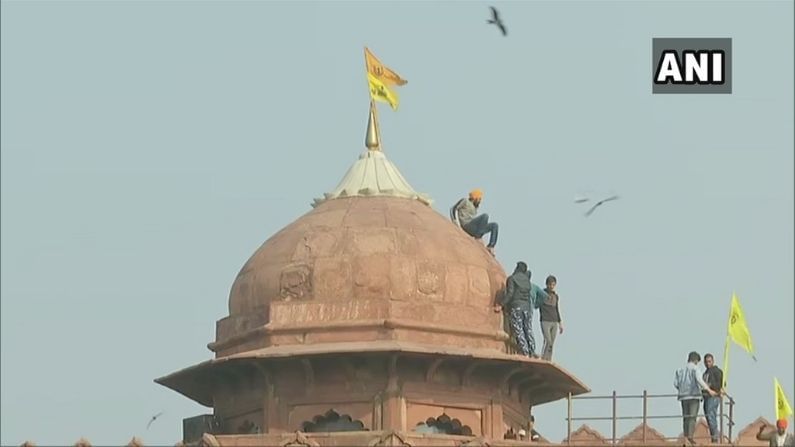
[(464, 214)]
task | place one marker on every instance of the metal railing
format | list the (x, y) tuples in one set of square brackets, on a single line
[(726, 401)]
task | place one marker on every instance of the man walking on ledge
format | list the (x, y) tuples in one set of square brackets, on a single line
[(464, 214), (551, 324)]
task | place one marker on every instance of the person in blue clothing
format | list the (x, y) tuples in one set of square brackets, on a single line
[(520, 298), (689, 384)]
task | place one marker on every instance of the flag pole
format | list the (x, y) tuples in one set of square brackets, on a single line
[(377, 123), (726, 360), (726, 349), (373, 108)]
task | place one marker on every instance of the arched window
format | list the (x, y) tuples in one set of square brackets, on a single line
[(443, 425), (332, 421)]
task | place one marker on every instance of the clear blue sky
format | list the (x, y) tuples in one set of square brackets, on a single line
[(146, 145)]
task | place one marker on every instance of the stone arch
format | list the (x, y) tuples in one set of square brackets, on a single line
[(332, 421), (443, 424)]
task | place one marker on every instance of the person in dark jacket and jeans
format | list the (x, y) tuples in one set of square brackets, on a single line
[(713, 376), (551, 323), (520, 298)]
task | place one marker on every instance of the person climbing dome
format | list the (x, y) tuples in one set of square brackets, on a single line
[(464, 214)]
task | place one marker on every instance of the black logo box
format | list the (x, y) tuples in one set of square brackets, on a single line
[(660, 44)]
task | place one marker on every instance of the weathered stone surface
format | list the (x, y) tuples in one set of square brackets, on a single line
[(380, 248)]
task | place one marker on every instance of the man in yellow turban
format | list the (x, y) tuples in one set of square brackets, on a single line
[(464, 213)]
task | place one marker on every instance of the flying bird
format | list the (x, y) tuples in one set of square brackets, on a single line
[(153, 419), (598, 204), (581, 199), (495, 19)]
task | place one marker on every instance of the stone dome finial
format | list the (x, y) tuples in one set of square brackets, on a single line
[(373, 174), (372, 139), (82, 442), (135, 442)]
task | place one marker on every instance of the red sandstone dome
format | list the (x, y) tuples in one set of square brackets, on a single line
[(378, 248), (367, 263), (369, 315)]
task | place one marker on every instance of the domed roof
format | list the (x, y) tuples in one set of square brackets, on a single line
[(366, 261), (368, 248), (371, 262)]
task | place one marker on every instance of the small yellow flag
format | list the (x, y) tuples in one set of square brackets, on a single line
[(380, 92), (738, 327), (381, 71), (783, 409)]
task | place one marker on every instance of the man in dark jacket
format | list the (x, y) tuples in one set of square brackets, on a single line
[(713, 376), (520, 297)]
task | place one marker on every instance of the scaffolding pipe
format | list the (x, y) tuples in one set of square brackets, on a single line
[(615, 402), (568, 435), (645, 413)]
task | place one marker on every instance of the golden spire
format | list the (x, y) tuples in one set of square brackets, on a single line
[(372, 140)]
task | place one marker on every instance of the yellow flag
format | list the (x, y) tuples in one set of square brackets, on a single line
[(380, 92), (783, 409), (381, 71), (738, 327)]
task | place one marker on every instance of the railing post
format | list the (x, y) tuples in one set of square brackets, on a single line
[(645, 410), (720, 431), (615, 401), (731, 416), (568, 430)]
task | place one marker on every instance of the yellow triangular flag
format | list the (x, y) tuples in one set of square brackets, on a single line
[(381, 71), (783, 409), (738, 327), (380, 92)]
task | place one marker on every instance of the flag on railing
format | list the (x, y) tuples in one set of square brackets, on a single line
[(783, 408), (737, 332)]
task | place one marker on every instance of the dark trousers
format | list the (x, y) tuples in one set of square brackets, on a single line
[(711, 405), (479, 226), (689, 413)]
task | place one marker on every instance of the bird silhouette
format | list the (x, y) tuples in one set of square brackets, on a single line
[(495, 19), (598, 204), (153, 419), (581, 200)]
